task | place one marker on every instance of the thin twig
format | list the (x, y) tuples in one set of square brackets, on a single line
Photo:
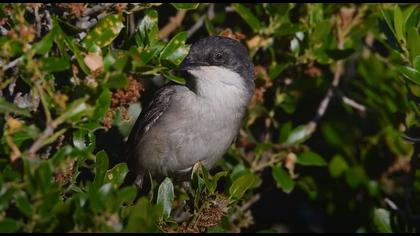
[(12, 63), (200, 21), (97, 8), (173, 24), (40, 141), (38, 21), (353, 104)]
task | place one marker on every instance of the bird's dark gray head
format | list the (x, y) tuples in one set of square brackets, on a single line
[(222, 52)]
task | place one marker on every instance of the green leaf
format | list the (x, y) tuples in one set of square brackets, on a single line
[(382, 220), (413, 44), (101, 167), (117, 80), (45, 44), (285, 131), (399, 24), (74, 111), (143, 217), (105, 31), (247, 15), (54, 64), (309, 158), (175, 51), (127, 194), (23, 203), (299, 135), (8, 225), (43, 176), (102, 104), (283, 180), (213, 183), (337, 166), (241, 185), (417, 63), (148, 32), (116, 175), (410, 73), (165, 197), (322, 31), (6, 107), (174, 78), (339, 54), (186, 6)]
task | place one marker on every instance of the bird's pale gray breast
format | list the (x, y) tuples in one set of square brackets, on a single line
[(183, 131)]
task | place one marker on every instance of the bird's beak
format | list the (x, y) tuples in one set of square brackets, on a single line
[(189, 64)]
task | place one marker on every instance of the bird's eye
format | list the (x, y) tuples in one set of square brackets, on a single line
[(218, 57)]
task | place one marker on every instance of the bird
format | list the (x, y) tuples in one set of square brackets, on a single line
[(197, 121)]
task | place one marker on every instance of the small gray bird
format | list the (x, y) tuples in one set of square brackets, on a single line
[(198, 121)]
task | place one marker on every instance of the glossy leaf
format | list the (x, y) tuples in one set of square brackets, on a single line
[(248, 16), (283, 180), (101, 167), (337, 166), (147, 32), (309, 158), (399, 23), (165, 197), (410, 73), (143, 217), (116, 175), (299, 135), (6, 107), (382, 220), (8, 225), (241, 185), (413, 39), (105, 31), (186, 6), (175, 51)]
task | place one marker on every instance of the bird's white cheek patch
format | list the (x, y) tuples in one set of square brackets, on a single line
[(220, 83)]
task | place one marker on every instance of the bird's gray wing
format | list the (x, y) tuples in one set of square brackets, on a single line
[(148, 116)]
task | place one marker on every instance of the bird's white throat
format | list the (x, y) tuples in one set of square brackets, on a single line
[(221, 85)]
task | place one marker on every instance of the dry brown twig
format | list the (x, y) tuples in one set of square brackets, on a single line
[(173, 24)]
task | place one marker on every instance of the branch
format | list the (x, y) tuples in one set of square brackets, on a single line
[(12, 63), (97, 8), (173, 24), (200, 21), (353, 104)]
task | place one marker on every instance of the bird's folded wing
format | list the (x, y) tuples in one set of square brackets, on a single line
[(148, 117)]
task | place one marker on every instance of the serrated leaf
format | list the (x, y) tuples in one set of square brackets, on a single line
[(283, 180), (6, 107), (309, 158), (165, 197), (248, 16), (382, 220), (116, 175), (185, 6), (105, 31)]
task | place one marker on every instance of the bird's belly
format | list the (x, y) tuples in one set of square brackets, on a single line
[(181, 144)]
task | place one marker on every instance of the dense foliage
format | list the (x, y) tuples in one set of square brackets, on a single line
[(330, 141)]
